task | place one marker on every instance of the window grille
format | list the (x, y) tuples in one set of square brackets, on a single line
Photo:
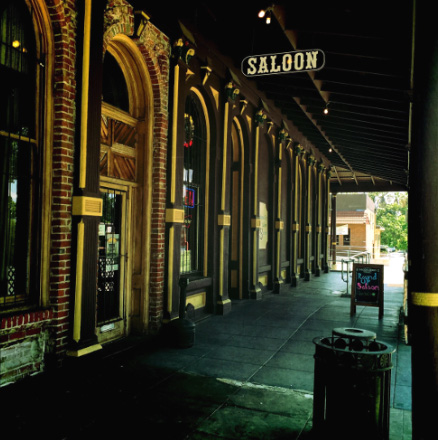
[(19, 156)]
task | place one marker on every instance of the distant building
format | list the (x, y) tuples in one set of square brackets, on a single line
[(356, 228)]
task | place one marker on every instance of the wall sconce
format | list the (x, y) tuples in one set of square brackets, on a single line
[(266, 13)]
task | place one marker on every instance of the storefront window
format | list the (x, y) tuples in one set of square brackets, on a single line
[(193, 186), (19, 156)]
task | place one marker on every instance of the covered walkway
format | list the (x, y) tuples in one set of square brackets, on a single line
[(249, 375)]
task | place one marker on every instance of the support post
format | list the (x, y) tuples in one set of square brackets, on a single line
[(333, 231), (423, 227)]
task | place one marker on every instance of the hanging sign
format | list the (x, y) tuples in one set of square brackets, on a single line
[(367, 286), (342, 230), (285, 62)]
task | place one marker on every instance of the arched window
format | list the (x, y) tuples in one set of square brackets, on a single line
[(114, 89), (20, 156), (195, 144)]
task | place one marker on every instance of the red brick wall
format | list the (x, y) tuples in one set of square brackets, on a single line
[(34, 334), (156, 51), (64, 94), (27, 337)]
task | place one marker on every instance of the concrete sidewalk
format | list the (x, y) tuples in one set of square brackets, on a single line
[(249, 375)]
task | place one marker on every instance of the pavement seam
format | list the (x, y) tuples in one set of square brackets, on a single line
[(285, 342)]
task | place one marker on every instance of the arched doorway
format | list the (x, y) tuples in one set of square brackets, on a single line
[(125, 177)]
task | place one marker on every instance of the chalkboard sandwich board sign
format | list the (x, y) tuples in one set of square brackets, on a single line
[(367, 286)]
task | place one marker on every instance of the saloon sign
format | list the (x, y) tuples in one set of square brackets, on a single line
[(286, 62)]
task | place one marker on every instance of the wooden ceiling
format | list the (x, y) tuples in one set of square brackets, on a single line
[(366, 82)]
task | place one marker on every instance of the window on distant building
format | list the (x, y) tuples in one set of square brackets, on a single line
[(347, 238)]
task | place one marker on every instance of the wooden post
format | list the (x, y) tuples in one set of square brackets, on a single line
[(423, 227), (87, 203)]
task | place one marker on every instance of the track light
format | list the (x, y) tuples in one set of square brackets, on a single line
[(266, 13)]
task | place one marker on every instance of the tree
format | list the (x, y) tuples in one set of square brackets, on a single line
[(392, 215)]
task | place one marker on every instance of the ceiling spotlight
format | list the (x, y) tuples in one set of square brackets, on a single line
[(266, 13)]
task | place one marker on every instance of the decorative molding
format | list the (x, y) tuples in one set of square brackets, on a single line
[(174, 216), (260, 117), (279, 225), (208, 71), (311, 160), (141, 19), (298, 149), (92, 206), (282, 135), (231, 90), (224, 220), (84, 351), (183, 50), (256, 223)]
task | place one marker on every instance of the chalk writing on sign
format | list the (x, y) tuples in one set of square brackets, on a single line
[(367, 286), (367, 283)]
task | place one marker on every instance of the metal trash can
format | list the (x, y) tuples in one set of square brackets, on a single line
[(352, 382)]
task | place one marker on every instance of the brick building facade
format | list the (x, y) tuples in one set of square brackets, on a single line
[(150, 161), (37, 328)]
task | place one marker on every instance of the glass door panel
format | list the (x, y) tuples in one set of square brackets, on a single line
[(110, 272)]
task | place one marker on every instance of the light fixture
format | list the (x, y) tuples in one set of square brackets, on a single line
[(266, 13), (326, 110), (16, 44)]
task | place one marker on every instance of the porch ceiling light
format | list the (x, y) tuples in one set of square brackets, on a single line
[(266, 13)]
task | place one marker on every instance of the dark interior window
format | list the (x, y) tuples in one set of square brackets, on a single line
[(19, 156), (114, 88), (193, 187)]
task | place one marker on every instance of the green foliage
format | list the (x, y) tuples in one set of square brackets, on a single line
[(392, 215)]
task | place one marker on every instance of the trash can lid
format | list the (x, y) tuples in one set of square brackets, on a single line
[(356, 333)]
